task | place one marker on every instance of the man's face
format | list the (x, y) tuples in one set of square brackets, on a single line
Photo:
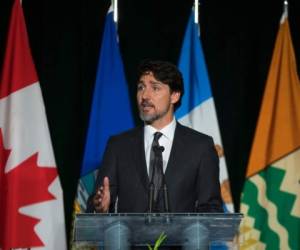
[(155, 100)]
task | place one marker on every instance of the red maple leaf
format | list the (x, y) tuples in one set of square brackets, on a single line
[(26, 184)]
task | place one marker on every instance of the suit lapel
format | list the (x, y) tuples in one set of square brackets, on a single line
[(139, 158), (177, 150)]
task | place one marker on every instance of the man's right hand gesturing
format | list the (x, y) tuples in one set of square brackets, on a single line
[(101, 199)]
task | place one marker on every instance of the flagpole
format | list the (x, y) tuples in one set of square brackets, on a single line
[(285, 11), (196, 11), (115, 8), (285, 6)]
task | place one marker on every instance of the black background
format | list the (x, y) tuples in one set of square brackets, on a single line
[(65, 36)]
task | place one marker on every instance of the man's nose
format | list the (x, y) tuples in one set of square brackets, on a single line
[(146, 93)]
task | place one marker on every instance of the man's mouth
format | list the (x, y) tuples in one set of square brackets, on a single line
[(146, 106), (146, 109)]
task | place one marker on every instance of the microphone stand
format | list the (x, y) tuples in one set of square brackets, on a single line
[(151, 184), (151, 193), (157, 150), (166, 199), (164, 184)]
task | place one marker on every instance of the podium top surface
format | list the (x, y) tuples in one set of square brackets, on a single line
[(202, 215)]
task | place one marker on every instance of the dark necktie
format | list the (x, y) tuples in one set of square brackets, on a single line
[(156, 168)]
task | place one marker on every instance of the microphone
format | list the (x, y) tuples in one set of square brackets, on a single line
[(158, 149)]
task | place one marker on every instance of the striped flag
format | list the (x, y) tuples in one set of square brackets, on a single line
[(271, 195), (31, 199), (198, 109), (110, 111)]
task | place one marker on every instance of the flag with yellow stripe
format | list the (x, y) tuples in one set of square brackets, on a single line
[(271, 197)]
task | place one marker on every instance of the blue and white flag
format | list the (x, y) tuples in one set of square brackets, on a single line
[(198, 109), (111, 110)]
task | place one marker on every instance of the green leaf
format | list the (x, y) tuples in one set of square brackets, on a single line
[(160, 240), (149, 247)]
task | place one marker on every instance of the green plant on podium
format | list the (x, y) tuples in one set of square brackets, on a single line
[(158, 242)]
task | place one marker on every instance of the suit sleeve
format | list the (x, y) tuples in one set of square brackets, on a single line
[(108, 168), (208, 185)]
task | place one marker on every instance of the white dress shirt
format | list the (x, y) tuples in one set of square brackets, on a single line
[(166, 140)]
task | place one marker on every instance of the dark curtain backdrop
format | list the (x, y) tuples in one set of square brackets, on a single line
[(238, 39)]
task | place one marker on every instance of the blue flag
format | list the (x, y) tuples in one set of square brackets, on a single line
[(198, 109), (111, 110)]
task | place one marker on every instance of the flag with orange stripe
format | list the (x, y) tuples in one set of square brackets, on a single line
[(271, 195)]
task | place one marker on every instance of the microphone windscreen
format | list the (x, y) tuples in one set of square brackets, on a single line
[(158, 149)]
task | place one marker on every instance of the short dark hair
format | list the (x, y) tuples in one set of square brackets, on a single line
[(164, 72)]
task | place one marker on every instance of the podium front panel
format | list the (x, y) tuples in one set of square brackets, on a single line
[(143, 229)]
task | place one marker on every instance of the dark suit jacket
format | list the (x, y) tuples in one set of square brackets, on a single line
[(192, 174)]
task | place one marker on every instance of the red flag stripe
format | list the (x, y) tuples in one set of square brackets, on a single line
[(24, 72)]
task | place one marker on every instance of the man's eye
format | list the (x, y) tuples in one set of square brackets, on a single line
[(156, 88), (140, 87)]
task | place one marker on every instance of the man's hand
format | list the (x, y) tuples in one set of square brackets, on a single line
[(101, 199)]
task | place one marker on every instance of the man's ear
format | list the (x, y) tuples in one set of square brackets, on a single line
[(175, 96)]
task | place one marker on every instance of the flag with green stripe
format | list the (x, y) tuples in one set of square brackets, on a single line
[(270, 200)]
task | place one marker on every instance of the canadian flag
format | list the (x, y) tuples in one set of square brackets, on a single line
[(31, 199)]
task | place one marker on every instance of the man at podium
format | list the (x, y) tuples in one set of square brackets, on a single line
[(162, 166)]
